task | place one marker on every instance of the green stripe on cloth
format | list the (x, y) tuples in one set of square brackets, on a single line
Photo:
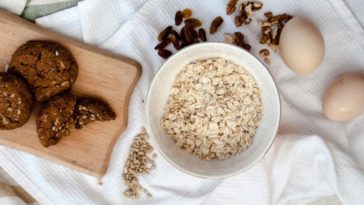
[(35, 11)]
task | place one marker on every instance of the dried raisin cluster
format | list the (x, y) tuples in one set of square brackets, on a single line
[(190, 33)]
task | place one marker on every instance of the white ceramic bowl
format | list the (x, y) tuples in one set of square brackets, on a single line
[(159, 93)]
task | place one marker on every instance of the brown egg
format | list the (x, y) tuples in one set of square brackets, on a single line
[(344, 99), (301, 45)]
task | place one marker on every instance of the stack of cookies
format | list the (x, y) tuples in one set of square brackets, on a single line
[(43, 71)]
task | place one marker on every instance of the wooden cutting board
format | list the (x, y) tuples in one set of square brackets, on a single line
[(101, 74)]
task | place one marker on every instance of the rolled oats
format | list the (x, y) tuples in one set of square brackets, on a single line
[(213, 110)]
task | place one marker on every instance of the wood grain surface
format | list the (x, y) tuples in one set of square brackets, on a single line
[(101, 74)]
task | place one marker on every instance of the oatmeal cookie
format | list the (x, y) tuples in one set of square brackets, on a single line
[(55, 119), (89, 110), (16, 101), (47, 66)]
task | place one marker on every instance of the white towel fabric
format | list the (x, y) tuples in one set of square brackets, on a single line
[(310, 159), (14, 6)]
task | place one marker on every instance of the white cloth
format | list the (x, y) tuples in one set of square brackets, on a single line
[(14, 6), (310, 158)]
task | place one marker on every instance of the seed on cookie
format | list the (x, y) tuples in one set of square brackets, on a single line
[(90, 109)]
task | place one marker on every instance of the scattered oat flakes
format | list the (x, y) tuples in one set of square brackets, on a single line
[(213, 110), (140, 161)]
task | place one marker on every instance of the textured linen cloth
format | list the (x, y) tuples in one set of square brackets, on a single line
[(311, 157), (11, 193), (14, 6)]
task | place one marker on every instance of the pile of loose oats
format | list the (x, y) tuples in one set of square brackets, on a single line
[(138, 163), (214, 109)]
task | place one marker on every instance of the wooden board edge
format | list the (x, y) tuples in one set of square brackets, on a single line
[(124, 126)]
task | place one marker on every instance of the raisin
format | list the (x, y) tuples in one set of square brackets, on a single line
[(178, 18), (176, 45), (164, 53), (202, 34), (176, 35), (164, 34), (175, 38), (182, 34), (163, 44), (191, 34), (187, 13), (215, 24), (192, 22), (184, 44)]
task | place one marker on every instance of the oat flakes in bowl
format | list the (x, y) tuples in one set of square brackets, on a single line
[(213, 110), (222, 100)]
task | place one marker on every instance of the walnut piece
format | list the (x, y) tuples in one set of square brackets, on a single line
[(245, 13), (271, 28)]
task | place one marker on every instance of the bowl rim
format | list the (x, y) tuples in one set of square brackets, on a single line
[(155, 144)]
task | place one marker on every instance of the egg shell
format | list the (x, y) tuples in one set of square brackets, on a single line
[(301, 45), (344, 99)]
